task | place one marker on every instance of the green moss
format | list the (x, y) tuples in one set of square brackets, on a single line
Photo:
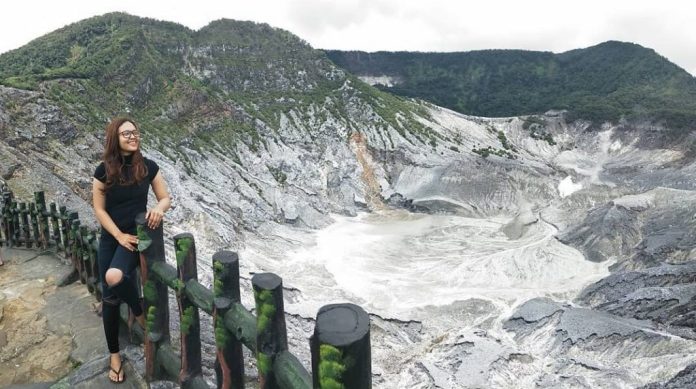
[(222, 336), (150, 292), (331, 367), (329, 383), (179, 286), (217, 287), (150, 318), (263, 363), (182, 248), (218, 268), (265, 309), (262, 323), (328, 352), (187, 320)]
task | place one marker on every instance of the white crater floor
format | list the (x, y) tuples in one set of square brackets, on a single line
[(393, 263)]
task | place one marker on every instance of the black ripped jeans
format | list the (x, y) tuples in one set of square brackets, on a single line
[(113, 255)]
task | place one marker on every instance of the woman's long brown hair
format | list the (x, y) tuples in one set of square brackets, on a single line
[(114, 162)]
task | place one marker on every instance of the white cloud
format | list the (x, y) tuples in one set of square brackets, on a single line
[(370, 25)]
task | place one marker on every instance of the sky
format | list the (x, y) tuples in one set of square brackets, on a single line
[(394, 25)]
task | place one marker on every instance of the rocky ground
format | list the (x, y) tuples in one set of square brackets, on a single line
[(51, 336)]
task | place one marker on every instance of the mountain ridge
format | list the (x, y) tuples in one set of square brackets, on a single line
[(605, 82)]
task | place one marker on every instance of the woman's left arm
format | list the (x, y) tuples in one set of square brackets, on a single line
[(154, 216)]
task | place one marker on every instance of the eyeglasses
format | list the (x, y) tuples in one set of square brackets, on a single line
[(130, 134)]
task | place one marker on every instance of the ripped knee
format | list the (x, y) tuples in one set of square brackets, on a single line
[(113, 276)]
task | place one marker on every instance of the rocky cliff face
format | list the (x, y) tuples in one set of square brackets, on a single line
[(263, 141)]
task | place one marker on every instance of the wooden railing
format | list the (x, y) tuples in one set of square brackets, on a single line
[(33, 225), (340, 346)]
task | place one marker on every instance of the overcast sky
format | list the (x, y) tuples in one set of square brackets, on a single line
[(418, 25)]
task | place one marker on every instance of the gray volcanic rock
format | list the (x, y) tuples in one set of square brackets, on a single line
[(585, 348), (640, 230), (607, 231), (665, 294), (571, 324), (685, 379)]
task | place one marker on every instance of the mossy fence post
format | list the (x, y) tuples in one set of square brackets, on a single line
[(86, 256), (75, 247), (24, 219), (93, 281), (271, 335), (35, 239), (155, 293), (229, 361), (340, 348), (7, 229), (70, 239), (42, 216), (64, 231), (190, 327), (55, 226), (16, 227)]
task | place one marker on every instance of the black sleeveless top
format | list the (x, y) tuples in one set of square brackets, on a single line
[(123, 202)]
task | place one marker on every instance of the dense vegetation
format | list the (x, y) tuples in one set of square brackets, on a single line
[(230, 81), (600, 83)]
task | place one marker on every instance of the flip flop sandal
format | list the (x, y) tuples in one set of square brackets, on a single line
[(118, 374)]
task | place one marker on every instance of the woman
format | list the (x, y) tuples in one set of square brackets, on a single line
[(119, 193)]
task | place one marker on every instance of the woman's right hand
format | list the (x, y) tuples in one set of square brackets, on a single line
[(130, 242)]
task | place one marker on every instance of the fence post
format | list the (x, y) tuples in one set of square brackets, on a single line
[(16, 227), (229, 364), (34, 225), (185, 248), (42, 217), (7, 218), (92, 245), (55, 226), (151, 247), (271, 335), (25, 224), (75, 251), (3, 233), (85, 255), (340, 348), (64, 231)]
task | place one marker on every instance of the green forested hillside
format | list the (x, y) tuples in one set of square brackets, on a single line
[(603, 82), (217, 82), (230, 81)]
